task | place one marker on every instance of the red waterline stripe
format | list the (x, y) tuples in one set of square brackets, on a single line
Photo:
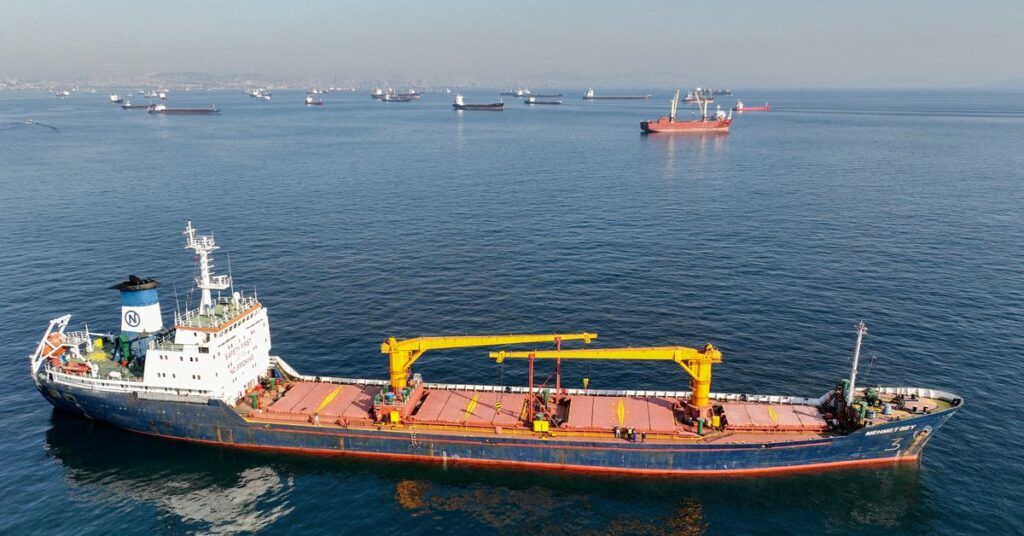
[(805, 468)]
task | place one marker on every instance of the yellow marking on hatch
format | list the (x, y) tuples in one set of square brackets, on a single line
[(327, 400)]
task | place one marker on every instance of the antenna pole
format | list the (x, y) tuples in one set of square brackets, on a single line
[(177, 307), (231, 279), (861, 330)]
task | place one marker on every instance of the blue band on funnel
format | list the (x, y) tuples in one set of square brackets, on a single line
[(139, 297)]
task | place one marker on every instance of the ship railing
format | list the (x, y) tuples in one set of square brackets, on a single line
[(923, 392), (164, 342), (76, 338), (276, 360), (197, 319), (174, 397), (132, 385), (639, 393), (719, 397)]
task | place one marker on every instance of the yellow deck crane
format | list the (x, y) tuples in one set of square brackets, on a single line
[(695, 361), (404, 353)]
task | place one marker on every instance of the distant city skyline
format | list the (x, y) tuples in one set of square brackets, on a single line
[(611, 44)]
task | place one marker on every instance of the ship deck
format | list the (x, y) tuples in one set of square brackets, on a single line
[(463, 411)]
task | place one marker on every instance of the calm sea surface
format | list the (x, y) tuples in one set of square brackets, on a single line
[(360, 219)]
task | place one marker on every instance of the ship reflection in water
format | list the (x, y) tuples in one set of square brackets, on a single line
[(205, 489), (702, 148), (200, 490), (541, 510)]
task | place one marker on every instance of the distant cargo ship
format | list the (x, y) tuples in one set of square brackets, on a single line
[(719, 123), (163, 109), (460, 104), (522, 92), (127, 105), (312, 101), (740, 108), (232, 392), (532, 99), (399, 97), (699, 95), (116, 99), (589, 95)]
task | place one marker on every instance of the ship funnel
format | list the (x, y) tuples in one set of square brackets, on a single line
[(140, 306)]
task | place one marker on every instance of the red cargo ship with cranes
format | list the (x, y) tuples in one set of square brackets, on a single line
[(718, 123)]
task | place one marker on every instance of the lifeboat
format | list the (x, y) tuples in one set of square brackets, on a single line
[(76, 367), (54, 348)]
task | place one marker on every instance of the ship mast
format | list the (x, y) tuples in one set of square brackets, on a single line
[(702, 103), (861, 330), (206, 281)]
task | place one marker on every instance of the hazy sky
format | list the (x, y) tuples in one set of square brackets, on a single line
[(736, 43)]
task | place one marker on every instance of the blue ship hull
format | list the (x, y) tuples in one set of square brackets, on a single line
[(217, 423)]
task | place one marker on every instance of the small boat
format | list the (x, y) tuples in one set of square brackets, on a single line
[(163, 109), (533, 100), (589, 95), (719, 123), (740, 108), (116, 99), (311, 101), (127, 105), (162, 95), (460, 104)]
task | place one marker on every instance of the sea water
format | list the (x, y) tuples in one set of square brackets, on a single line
[(360, 220)]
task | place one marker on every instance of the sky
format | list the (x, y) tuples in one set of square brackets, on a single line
[(767, 43)]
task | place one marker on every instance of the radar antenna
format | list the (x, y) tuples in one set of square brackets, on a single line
[(206, 281)]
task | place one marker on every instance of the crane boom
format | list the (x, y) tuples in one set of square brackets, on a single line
[(695, 361), (403, 353)]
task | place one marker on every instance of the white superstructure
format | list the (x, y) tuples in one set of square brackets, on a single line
[(220, 349)]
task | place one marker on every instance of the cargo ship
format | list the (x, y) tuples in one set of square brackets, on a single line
[(210, 378), (163, 109), (116, 99), (532, 99), (460, 104), (740, 108), (589, 95), (127, 105), (699, 95), (719, 123), (398, 97)]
